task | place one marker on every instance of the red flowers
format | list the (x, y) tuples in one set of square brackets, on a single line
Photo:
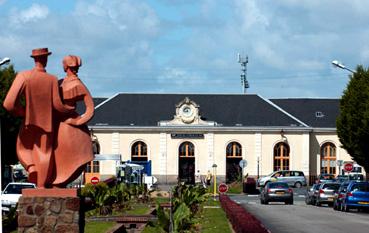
[(242, 221)]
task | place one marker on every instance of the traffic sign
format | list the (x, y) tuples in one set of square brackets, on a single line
[(348, 167), (243, 163), (95, 180), (223, 188)]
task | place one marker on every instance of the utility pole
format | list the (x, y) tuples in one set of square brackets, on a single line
[(243, 61)]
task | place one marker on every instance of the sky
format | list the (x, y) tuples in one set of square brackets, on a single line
[(191, 46)]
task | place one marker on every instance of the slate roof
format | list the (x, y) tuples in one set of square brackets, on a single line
[(81, 107), (306, 109), (229, 110)]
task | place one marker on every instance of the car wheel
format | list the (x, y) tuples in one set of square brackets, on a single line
[(346, 208), (266, 202), (307, 201), (317, 203), (298, 185)]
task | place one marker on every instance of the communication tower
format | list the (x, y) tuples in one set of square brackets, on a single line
[(243, 61)]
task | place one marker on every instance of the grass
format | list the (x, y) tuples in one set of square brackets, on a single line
[(138, 209), (209, 220), (214, 220), (235, 187), (98, 227)]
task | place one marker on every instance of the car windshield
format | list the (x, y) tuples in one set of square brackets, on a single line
[(278, 185), (326, 177), (16, 188), (361, 187), (331, 186)]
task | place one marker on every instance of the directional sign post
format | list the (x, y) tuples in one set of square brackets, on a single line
[(243, 164)]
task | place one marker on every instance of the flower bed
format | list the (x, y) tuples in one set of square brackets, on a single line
[(241, 220)]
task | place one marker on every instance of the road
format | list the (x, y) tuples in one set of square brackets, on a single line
[(302, 218)]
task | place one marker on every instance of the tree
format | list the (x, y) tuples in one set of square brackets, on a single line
[(9, 124), (353, 121)]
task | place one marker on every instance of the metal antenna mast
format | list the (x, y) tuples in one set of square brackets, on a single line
[(243, 61)]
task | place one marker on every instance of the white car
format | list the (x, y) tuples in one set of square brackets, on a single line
[(12, 193)]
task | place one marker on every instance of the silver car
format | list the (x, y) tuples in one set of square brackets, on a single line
[(292, 178), (276, 192), (326, 193)]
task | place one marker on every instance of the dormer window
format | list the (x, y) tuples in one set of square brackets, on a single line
[(319, 114)]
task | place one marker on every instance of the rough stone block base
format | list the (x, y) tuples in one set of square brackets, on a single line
[(50, 214)]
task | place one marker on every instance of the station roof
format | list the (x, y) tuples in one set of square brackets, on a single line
[(228, 110), (315, 112)]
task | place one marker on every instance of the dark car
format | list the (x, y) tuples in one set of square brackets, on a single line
[(326, 193), (276, 192), (311, 194), (357, 196), (324, 178), (339, 196)]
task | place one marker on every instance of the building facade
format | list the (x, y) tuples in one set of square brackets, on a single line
[(181, 134)]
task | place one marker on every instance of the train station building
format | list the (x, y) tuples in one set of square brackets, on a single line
[(178, 135)]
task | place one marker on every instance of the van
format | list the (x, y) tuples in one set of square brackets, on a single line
[(293, 178)]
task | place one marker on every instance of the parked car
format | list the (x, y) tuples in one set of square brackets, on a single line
[(339, 196), (357, 196), (326, 193), (276, 192), (311, 194), (324, 178), (342, 178), (12, 193), (292, 178)]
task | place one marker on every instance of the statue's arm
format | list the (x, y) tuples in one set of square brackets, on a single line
[(89, 113), (11, 101), (57, 103)]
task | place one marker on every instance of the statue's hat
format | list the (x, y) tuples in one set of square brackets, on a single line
[(40, 52)]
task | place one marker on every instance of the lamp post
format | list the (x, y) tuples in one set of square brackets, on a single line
[(2, 62), (215, 179), (341, 66)]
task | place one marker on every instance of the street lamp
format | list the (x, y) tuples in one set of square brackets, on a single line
[(4, 61), (215, 179), (341, 66)]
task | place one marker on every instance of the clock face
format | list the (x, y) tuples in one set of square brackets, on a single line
[(187, 111)]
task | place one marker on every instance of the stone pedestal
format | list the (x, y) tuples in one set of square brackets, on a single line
[(50, 210)]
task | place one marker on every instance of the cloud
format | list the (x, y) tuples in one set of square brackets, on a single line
[(34, 13)]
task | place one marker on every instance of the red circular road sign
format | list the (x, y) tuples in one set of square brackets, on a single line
[(348, 167), (95, 180), (223, 188)]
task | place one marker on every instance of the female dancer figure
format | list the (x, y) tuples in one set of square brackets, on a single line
[(73, 148)]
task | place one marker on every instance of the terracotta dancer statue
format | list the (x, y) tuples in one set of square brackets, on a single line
[(36, 136), (73, 146)]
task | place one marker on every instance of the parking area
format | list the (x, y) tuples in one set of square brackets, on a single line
[(300, 217)]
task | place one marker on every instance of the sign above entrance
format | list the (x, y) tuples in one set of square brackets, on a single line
[(187, 135)]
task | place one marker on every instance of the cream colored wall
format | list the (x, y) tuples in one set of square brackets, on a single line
[(299, 147), (221, 140), (318, 139), (163, 150)]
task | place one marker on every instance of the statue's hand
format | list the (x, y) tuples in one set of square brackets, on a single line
[(73, 121)]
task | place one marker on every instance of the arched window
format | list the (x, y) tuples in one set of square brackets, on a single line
[(234, 149), (281, 157), (186, 149), (139, 151), (328, 158)]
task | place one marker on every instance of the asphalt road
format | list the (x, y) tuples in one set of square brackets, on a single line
[(280, 218)]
